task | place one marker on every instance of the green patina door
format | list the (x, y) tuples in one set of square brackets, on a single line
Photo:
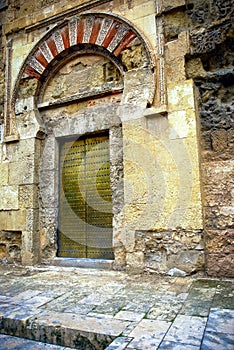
[(85, 213)]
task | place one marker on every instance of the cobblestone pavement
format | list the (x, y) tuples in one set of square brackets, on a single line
[(96, 309)]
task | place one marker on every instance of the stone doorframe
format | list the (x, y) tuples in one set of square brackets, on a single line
[(49, 171), (113, 35)]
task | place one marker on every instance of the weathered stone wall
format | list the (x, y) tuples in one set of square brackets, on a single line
[(164, 137), (211, 64), (1, 77)]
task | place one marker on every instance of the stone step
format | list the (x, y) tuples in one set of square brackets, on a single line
[(8, 342), (62, 328)]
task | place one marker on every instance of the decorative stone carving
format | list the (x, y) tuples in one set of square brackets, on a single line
[(223, 8), (44, 48), (210, 11), (206, 40), (73, 31), (36, 65), (200, 14), (58, 41), (122, 30), (88, 29), (105, 27)]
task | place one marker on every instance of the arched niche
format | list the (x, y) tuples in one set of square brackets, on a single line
[(102, 33)]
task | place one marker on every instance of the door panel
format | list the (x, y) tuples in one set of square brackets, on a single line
[(85, 220)]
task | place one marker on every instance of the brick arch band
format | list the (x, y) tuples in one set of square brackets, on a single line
[(107, 32), (112, 33)]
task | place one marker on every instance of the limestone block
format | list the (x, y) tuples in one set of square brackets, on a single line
[(220, 241), (177, 48), (48, 229), (94, 118), (164, 214), (8, 197), (20, 49), (29, 124), (188, 261), (220, 264), (169, 5), (182, 124), (28, 196), (180, 96), (23, 151), (3, 174), (166, 174), (27, 89), (29, 252), (12, 151), (30, 237), (156, 123), (120, 257), (138, 171), (16, 220), (135, 262), (50, 154), (22, 173), (175, 70), (140, 9), (156, 262), (139, 86), (49, 188), (190, 218), (32, 222), (25, 104), (62, 128), (148, 25), (218, 183), (3, 220)]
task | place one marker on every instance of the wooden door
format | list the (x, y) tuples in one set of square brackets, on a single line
[(85, 213)]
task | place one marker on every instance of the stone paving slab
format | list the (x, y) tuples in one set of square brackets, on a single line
[(13, 343), (218, 341), (221, 321), (167, 345), (107, 310), (187, 330), (148, 334)]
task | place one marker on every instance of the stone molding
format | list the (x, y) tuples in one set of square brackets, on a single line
[(10, 129)]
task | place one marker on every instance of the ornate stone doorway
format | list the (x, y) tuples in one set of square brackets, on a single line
[(91, 74)]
